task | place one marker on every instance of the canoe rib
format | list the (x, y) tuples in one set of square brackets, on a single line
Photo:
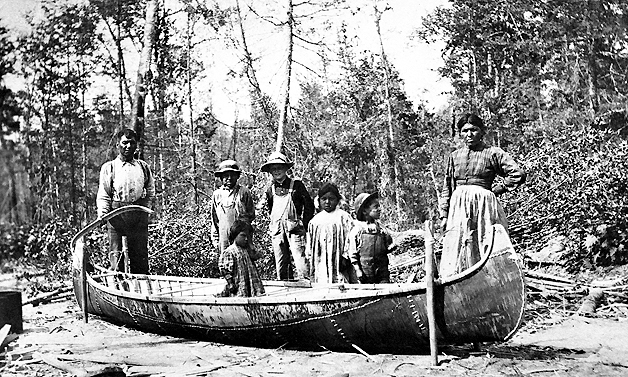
[(484, 303)]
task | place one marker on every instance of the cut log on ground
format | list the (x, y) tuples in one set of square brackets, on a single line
[(591, 302), (46, 297)]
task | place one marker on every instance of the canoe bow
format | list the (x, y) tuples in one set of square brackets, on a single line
[(79, 259)]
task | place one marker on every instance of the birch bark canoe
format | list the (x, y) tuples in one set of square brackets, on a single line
[(482, 303)]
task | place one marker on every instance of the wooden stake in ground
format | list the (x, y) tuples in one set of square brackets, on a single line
[(429, 279), (3, 334)]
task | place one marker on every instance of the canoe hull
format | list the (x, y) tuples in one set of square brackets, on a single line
[(483, 304)]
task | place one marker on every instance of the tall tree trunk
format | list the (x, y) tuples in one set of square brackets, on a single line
[(235, 137), (162, 168), (192, 130), (137, 121), (14, 217), (70, 138), (158, 94), (119, 67), (285, 99), (8, 161), (393, 166), (31, 207), (54, 180), (84, 158), (473, 80)]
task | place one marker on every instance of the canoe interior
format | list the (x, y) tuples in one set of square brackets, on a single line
[(484, 303), (160, 288)]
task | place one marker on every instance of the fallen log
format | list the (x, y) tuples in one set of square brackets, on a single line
[(616, 294), (542, 276), (591, 302), (45, 297), (108, 371)]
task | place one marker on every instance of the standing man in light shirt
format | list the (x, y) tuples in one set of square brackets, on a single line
[(126, 180)]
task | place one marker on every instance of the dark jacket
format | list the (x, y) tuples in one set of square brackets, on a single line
[(301, 197)]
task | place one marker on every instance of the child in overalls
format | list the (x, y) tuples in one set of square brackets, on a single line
[(291, 209), (230, 202), (369, 242)]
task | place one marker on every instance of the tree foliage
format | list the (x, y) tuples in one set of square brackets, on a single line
[(548, 77)]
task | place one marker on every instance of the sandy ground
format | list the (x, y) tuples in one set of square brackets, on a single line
[(574, 347), (55, 333)]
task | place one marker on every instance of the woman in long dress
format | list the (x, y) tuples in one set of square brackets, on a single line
[(468, 203)]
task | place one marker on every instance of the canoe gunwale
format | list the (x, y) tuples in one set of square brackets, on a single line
[(302, 309), (366, 290)]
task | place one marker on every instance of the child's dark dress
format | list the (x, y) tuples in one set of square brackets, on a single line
[(236, 263)]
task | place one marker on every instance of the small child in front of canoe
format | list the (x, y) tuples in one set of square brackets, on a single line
[(326, 240), (369, 242), (237, 264)]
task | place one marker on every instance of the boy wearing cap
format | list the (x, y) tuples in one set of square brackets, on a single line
[(229, 203), (291, 208), (369, 242)]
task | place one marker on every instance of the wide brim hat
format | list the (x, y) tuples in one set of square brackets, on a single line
[(227, 166), (361, 201), (276, 158)]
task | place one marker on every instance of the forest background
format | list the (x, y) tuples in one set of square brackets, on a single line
[(550, 78)]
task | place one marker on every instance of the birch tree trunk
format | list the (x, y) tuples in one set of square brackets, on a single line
[(285, 99), (192, 130), (86, 203), (137, 120), (393, 166), (158, 95), (120, 65), (70, 139)]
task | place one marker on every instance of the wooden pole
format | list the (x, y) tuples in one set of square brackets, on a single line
[(81, 250), (429, 278), (125, 253)]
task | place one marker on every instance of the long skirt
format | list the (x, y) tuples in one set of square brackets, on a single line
[(473, 211)]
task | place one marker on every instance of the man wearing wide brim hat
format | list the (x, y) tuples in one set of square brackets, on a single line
[(229, 203), (291, 208), (276, 158)]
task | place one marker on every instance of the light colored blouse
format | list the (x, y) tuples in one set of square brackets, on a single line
[(124, 181), (479, 166)]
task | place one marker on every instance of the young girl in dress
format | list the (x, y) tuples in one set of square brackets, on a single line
[(237, 264), (369, 242), (326, 240)]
